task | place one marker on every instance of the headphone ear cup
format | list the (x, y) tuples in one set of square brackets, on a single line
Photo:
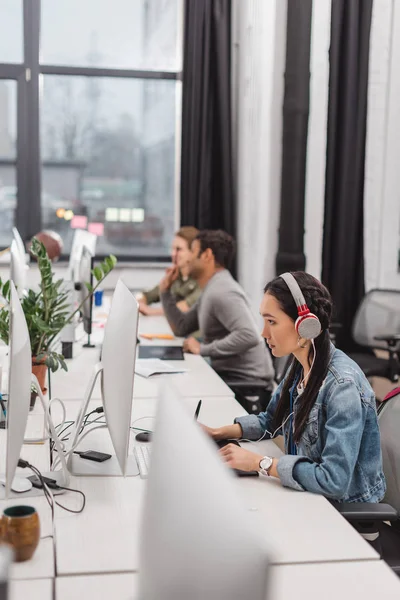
[(308, 327)]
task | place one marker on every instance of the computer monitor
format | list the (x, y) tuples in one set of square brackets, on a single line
[(86, 276), (197, 539), (81, 238), (6, 559), (19, 386), (18, 269), (18, 403), (117, 373), (20, 244)]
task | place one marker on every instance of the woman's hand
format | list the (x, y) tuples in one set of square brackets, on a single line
[(223, 433), (239, 458), (213, 432)]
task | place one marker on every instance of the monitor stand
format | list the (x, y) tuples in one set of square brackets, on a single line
[(107, 468), (88, 344), (81, 466), (61, 476)]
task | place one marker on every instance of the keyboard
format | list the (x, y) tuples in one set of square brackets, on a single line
[(142, 454)]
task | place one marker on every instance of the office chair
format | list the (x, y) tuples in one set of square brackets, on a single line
[(254, 396), (376, 326), (368, 518)]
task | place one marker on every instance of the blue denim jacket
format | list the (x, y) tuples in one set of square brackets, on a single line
[(339, 454)]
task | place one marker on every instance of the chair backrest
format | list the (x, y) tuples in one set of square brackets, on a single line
[(378, 314), (389, 425)]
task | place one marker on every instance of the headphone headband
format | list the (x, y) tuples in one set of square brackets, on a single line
[(297, 294)]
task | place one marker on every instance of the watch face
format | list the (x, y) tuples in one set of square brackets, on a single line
[(265, 463)]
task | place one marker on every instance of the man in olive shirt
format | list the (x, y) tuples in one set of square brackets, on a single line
[(184, 290)]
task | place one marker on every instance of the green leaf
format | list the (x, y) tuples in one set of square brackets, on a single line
[(62, 362), (105, 268), (98, 273), (89, 287), (6, 290), (113, 259)]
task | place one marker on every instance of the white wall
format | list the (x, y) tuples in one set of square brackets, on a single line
[(382, 166), (317, 133), (259, 60)]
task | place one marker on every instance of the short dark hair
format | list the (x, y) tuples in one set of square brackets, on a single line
[(220, 243)]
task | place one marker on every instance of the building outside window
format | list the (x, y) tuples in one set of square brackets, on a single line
[(90, 121)]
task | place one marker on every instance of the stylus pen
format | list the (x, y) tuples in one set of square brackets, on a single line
[(196, 414)]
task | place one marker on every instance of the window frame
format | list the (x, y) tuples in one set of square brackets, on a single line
[(28, 217)]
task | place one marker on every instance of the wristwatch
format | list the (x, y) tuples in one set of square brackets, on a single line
[(265, 465)]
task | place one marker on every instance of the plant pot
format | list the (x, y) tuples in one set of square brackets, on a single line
[(40, 371)]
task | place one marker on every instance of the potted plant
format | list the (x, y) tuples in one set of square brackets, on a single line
[(47, 311)]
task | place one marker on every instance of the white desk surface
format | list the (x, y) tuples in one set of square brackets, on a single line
[(300, 527), (200, 380), (330, 581), (105, 537), (31, 589)]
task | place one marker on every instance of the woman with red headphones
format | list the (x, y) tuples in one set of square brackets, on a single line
[(324, 407)]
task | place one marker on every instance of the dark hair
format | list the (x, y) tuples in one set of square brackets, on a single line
[(319, 301), (187, 233), (221, 243)]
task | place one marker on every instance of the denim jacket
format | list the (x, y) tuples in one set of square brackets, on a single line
[(339, 453)]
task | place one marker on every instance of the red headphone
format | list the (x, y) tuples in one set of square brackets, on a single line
[(307, 324)]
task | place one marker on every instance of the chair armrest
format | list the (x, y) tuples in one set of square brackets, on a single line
[(366, 511), (389, 339)]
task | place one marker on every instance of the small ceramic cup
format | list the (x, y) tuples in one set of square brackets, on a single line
[(20, 528)]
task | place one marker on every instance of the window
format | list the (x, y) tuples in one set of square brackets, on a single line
[(8, 150), (108, 150), (97, 144), (122, 34), (8, 119), (11, 31)]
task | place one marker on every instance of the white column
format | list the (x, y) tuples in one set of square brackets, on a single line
[(317, 133), (376, 143), (382, 170), (259, 55)]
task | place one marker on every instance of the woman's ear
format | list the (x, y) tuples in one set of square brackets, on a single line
[(301, 342)]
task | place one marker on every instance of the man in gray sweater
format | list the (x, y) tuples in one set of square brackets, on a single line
[(223, 314)]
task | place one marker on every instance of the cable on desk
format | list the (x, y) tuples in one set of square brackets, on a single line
[(48, 495)]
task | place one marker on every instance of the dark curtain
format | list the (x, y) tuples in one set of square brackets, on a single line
[(296, 107), (343, 254), (207, 198)]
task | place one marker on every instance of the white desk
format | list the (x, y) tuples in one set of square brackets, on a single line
[(328, 581), (105, 537), (101, 545), (300, 527), (31, 589), (200, 381)]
